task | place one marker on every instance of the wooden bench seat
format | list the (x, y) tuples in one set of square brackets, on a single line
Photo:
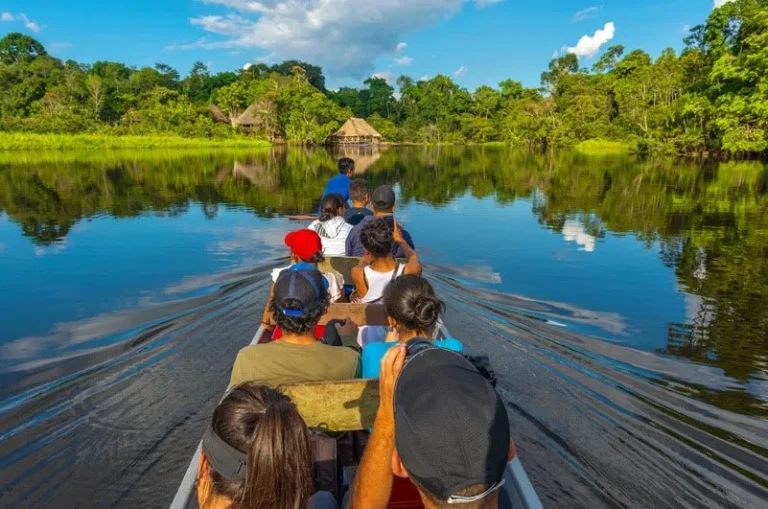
[(348, 405)]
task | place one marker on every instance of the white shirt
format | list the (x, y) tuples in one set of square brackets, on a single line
[(335, 283), (333, 234)]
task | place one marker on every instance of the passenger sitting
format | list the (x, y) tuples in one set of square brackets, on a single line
[(413, 310), (439, 423), (358, 193), (299, 301), (378, 267), (339, 184), (257, 454), (331, 226), (383, 203)]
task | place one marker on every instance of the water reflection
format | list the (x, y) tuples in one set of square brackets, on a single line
[(708, 222)]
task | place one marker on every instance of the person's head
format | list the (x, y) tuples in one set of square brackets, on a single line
[(306, 246), (358, 191), (300, 298), (347, 166), (257, 453), (331, 206), (383, 200), (377, 239), (465, 461), (412, 306)]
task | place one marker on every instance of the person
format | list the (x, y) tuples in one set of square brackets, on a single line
[(331, 226), (451, 457), (378, 267), (383, 203), (340, 183), (413, 310), (257, 453), (306, 248), (358, 193), (299, 300)]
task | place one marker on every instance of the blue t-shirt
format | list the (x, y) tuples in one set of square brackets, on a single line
[(373, 353), (338, 185)]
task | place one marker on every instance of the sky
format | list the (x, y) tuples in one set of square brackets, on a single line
[(476, 42)]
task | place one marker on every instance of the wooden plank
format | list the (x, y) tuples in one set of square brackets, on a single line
[(348, 405), (340, 264), (343, 265), (361, 314)]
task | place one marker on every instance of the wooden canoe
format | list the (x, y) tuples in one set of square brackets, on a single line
[(351, 405)]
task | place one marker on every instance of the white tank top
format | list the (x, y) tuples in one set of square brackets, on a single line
[(378, 281)]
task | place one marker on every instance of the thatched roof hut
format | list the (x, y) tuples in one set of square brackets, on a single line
[(356, 130), (250, 117), (217, 114)]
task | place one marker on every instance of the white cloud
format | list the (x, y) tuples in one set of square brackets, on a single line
[(461, 71), (555, 54), (585, 14), (573, 231), (247, 66), (423, 78), (589, 46), (22, 18), (385, 75), (345, 37), (403, 60), (720, 3)]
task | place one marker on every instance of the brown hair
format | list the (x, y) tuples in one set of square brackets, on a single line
[(358, 190), (265, 424)]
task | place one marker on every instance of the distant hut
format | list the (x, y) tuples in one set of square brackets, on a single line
[(259, 119), (217, 114), (249, 120), (354, 131)]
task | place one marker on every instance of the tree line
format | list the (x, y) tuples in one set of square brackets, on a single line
[(710, 98)]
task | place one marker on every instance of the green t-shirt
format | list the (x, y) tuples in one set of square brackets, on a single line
[(280, 363)]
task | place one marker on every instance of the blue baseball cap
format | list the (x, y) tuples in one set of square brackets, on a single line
[(300, 289)]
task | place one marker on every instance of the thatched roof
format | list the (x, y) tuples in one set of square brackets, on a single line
[(217, 114), (249, 116), (357, 127)]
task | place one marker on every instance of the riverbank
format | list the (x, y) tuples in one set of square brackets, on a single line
[(32, 141)]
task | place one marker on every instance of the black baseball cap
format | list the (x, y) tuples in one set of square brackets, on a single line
[(451, 427), (300, 289), (383, 198)]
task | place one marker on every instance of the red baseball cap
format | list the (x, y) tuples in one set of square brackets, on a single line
[(304, 243)]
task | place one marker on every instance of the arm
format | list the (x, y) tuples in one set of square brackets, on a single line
[(413, 264), (373, 483), (266, 316), (358, 279)]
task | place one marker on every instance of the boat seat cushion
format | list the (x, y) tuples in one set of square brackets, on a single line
[(348, 405)]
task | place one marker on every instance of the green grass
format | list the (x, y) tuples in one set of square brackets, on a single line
[(600, 147), (37, 142)]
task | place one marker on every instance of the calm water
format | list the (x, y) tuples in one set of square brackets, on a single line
[(624, 304)]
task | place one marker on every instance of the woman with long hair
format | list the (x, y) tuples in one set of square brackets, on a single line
[(257, 454), (331, 226)]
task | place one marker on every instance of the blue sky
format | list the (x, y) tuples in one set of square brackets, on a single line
[(475, 41)]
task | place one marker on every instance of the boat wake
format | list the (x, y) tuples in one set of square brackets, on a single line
[(106, 412)]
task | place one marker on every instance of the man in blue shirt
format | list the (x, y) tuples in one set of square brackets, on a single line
[(340, 183), (383, 203)]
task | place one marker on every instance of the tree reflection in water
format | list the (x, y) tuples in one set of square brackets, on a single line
[(708, 221)]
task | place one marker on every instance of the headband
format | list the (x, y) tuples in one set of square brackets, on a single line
[(229, 462)]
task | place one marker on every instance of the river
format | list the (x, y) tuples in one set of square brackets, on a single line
[(623, 302)]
